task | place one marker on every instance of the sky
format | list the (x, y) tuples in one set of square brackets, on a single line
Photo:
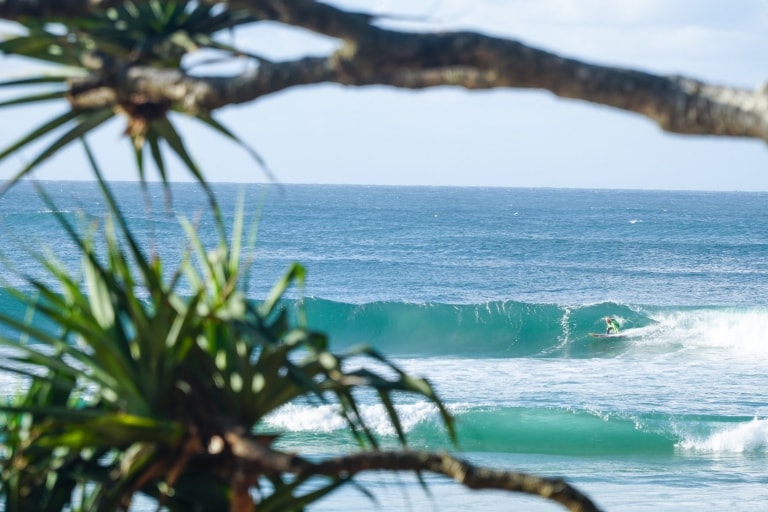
[(447, 136)]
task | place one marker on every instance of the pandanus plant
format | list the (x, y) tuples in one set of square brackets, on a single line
[(154, 381)]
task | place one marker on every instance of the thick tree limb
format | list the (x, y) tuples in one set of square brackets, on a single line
[(373, 55), (471, 61), (255, 456), (470, 476)]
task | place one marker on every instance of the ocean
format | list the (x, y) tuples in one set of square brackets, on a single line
[(491, 294)]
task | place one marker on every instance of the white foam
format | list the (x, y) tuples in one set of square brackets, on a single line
[(740, 438), (327, 418), (743, 331)]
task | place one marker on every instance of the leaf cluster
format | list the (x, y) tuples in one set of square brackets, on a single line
[(91, 54), (151, 33)]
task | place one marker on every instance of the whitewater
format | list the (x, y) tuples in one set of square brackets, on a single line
[(492, 295)]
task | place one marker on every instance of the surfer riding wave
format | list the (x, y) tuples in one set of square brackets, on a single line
[(612, 326)]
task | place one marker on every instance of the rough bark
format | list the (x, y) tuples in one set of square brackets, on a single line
[(372, 55), (256, 457), (553, 489)]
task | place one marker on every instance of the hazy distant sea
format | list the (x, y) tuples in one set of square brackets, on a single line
[(491, 294)]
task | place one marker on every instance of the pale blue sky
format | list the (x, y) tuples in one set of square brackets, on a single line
[(379, 135)]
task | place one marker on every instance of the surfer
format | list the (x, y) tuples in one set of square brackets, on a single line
[(612, 326)]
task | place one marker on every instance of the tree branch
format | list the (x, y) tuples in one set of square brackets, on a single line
[(553, 489), (678, 104), (311, 15), (256, 457), (373, 55), (193, 94)]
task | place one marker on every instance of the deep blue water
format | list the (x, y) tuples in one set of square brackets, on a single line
[(492, 294)]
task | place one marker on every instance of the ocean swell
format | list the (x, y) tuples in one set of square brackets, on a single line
[(522, 329)]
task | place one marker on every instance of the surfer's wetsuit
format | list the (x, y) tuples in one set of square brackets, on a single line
[(613, 326)]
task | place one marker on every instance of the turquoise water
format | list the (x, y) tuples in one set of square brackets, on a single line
[(492, 294)]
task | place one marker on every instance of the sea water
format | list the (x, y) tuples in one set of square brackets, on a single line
[(491, 294)]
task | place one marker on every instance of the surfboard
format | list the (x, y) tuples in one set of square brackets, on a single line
[(602, 335)]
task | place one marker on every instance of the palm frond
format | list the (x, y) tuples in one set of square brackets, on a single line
[(85, 122), (40, 132), (41, 45), (35, 98), (165, 130), (57, 77), (211, 122)]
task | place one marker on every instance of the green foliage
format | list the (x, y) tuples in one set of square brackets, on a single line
[(150, 33), (90, 54), (144, 378), (136, 379)]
